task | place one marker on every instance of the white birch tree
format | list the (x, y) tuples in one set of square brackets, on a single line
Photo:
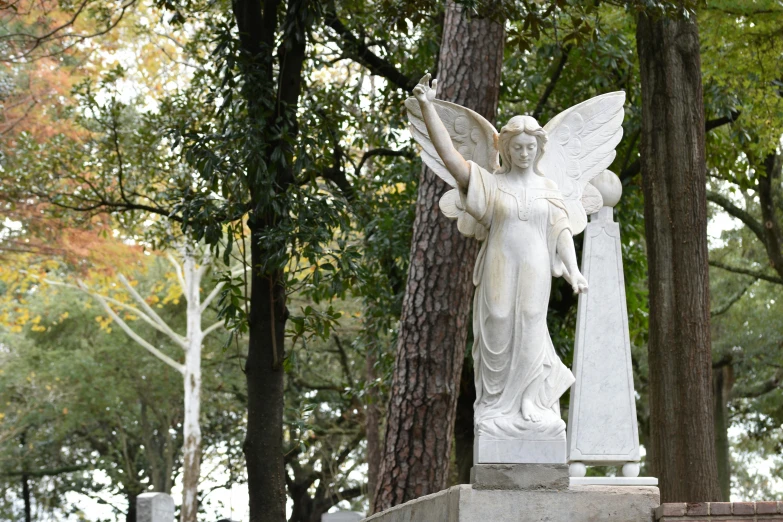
[(190, 274)]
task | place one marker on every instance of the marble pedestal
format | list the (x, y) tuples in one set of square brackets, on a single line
[(465, 503), (492, 451)]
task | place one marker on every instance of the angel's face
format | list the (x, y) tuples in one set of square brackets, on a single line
[(523, 148)]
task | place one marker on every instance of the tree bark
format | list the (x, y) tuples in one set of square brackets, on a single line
[(130, 516), (435, 314), (191, 429), (723, 379), (263, 445), (682, 443), (372, 421)]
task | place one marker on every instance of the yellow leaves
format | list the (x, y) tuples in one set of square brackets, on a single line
[(63, 316), (103, 323), (173, 294), (2, 416)]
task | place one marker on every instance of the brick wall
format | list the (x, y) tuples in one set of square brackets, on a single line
[(714, 511)]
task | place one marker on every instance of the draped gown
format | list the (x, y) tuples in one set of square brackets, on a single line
[(513, 276)]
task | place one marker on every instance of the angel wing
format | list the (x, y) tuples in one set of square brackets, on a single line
[(581, 145), (472, 135), (474, 138)]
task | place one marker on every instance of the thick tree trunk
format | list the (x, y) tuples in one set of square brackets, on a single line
[(191, 430), (682, 443), (263, 445), (435, 314), (723, 379)]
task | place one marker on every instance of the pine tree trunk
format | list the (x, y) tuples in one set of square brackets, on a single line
[(682, 443), (263, 445), (435, 314)]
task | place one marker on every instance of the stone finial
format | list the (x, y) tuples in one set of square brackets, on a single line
[(154, 507), (610, 187)]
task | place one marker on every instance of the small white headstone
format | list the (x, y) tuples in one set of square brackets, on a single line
[(154, 507), (342, 516)]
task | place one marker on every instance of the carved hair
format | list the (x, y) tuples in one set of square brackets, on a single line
[(518, 125)]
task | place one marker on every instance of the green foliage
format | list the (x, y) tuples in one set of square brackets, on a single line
[(98, 415)]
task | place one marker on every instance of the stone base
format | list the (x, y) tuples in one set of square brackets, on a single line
[(576, 504), (614, 481), (492, 451), (522, 477)]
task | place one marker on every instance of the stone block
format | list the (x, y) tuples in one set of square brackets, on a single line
[(342, 516), (720, 508), (743, 508), (154, 507), (494, 451), (697, 509), (766, 508), (677, 509), (576, 504), (519, 476)]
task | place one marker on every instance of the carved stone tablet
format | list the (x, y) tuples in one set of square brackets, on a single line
[(154, 507)]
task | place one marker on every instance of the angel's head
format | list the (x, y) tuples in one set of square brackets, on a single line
[(522, 142)]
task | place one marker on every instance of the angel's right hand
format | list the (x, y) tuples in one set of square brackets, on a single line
[(423, 92)]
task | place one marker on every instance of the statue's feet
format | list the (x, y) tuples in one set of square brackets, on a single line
[(530, 412)]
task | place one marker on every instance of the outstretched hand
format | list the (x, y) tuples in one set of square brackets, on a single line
[(579, 283), (423, 92)]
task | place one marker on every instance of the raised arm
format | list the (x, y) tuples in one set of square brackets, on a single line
[(439, 136)]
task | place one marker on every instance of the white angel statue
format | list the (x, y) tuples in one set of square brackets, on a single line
[(525, 211)]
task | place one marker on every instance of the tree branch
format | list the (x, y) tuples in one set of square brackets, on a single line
[(552, 81), (149, 311), (759, 389), (634, 168), (212, 328), (360, 52), (133, 335), (733, 299), (747, 271), (733, 210), (718, 122)]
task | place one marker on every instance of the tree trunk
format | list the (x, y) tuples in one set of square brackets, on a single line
[(682, 443), (257, 31), (723, 379), (372, 428), (263, 445), (130, 516), (191, 429), (463, 424), (28, 512), (435, 314)]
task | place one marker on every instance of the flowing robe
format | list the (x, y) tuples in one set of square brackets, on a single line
[(513, 353)]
